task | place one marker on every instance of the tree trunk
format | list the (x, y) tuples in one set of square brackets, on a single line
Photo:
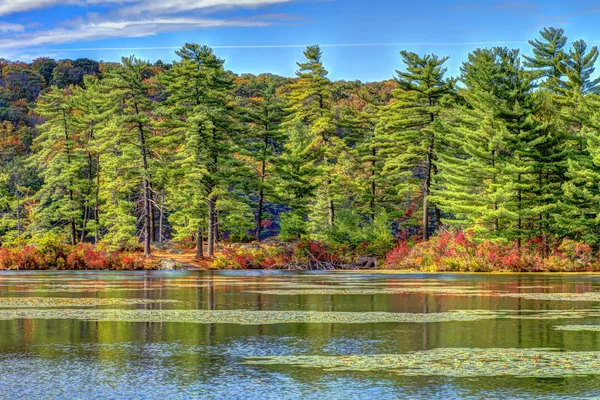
[(152, 217), (86, 212), (216, 227), (72, 223), (18, 212), (147, 233), (211, 228), (260, 200), (199, 250), (259, 215), (97, 202), (425, 197), (161, 216), (373, 188), (73, 232), (330, 205), (519, 221), (146, 183)]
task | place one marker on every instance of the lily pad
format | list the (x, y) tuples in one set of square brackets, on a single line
[(245, 317), (590, 328), (454, 362), (40, 302)]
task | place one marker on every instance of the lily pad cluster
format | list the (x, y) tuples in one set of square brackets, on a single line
[(454, 362), (575, 328), (244, 317), (40, 302)]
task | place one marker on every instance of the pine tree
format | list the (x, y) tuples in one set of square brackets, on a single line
[(310, 106), (133, 133), (61, 161), (264, 142), (577, 67), (407, 133), (200, 102), (547, 57), (17, 180), (367, 186), (502, 172), (91, 110), (471, 165)]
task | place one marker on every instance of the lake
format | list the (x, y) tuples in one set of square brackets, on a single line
[(280, 335)]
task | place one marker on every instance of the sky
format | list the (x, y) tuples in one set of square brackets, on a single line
[(361, 40)]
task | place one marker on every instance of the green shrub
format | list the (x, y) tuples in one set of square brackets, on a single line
[(292, 226)]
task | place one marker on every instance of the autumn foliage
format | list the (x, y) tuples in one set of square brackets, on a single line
[(79, 257), (460, 252)]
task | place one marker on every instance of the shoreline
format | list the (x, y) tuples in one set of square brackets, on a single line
[(354, 271)]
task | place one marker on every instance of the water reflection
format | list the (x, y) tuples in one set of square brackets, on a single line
[(42, 358)]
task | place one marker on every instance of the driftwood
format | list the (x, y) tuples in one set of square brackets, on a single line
[(319, 265)]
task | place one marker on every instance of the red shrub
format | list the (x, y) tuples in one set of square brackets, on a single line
[(397, 254), (315, 251), (96, 259), (125, 261), (6, 261), (27, 258)]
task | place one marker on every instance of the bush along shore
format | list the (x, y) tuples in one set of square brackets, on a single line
[(458, 251), (447, 252)]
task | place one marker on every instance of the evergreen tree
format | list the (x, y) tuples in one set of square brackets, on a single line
[(202, 113), (547, 57), (60, 158), (91, 110), (310, 106), (132, 133), (580, 212), (264, 142), (367, 186), (407, 133)]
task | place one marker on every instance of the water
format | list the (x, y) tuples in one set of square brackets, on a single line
[(75, 356)]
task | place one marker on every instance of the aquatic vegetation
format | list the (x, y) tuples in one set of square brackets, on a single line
[(454, 362), (590, 328), (589, 296), (440, 290), (458, 290), (35, 302), (252, 317), (246, 317)]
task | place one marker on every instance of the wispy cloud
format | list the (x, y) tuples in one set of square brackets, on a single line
[(8, 27), (109, 19), (134, 7), (117, 29), (293, 46), (171, 7)]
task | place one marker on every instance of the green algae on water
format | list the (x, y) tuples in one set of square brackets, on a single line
[(576, 328), (245, 317), (458, 290), (40, 302), (454, 362), (252, 317)]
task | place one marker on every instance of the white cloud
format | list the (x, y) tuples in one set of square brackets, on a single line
[(13, 6), (132, 7), (109, 19), (117, 29), (8, 27), (171, 7)]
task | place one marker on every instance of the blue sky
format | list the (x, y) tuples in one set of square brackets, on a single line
[(361, 39)]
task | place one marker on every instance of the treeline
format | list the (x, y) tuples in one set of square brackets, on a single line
[(133, 152)]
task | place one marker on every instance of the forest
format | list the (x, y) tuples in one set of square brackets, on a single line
[(497, 168)]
